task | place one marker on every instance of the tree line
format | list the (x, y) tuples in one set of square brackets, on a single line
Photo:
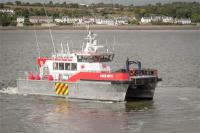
[(176, 9)]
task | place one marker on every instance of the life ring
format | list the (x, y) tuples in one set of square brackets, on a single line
[(104, 65), (31, 76), (82, 66), (50, 77), (132, 72)]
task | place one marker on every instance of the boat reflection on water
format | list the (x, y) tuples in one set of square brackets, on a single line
[(139, 106), (62, 106), (90, 116), (66, 106), (55, 114)]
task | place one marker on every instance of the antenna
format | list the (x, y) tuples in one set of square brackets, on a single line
[(36, 38), (68, 51), (114, 31), (62, 50), (54, 50), (83, 46), (37, 44), (88, 27), (38, 48), (114, 43), (65, 50)]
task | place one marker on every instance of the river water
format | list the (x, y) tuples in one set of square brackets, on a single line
[(176, 104)]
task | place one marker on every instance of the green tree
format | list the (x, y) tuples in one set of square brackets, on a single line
[(50, 3), (41, 12), (37, 4), (133, 22), (64, 4), (26, 4), (1, 5), (142, 12), (8, 3), (6, 20), (73, 5), (183, 13), (18, 3), (100, 5), (158, 4), (25, 12), (195, 17)]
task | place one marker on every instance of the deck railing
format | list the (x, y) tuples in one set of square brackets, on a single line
[(22, 75)]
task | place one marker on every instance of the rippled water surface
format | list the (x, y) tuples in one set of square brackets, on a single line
[(175, 108), (176, 54)]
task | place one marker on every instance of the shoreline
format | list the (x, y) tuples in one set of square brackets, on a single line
[(104, 27)]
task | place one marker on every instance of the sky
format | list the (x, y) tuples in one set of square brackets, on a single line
[(125, 2)]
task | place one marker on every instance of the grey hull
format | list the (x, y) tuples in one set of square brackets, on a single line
[(90, 90), (80, 90), (145, 92)]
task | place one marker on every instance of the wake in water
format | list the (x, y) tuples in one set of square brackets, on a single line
[(9, 90), (197, 85)]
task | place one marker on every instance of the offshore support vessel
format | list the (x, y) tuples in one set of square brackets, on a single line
[(86, 74)]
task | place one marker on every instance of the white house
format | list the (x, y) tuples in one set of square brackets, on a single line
[(105, 22), (109, 22), (84, 5), (99, 21), (61, 20), (167, 19), (182, 21), (145, 20), (74, 20), (40, 19), (8, 11), (20, 19), (88, 20), (156, 18), (122, 21)]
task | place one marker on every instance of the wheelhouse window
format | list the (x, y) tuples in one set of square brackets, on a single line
[(73, 66), (67, 66), (55, 65), (64, 66), (61, 66), (80, 58)]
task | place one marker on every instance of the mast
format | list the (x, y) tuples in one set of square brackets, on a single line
[(52, 40), (91, 44)]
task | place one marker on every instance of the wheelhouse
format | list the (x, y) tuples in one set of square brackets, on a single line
[(65, 64)]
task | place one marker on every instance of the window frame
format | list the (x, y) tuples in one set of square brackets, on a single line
[(75, 69), (63, 66), (68, 67), (55, 66)]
